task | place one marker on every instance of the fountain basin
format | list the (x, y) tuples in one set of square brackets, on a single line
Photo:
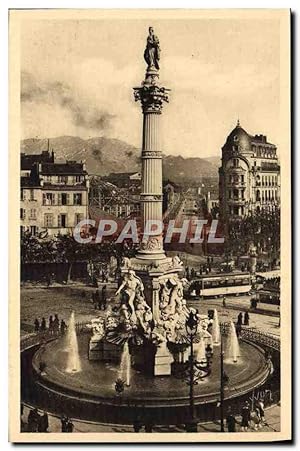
[(95, 382)]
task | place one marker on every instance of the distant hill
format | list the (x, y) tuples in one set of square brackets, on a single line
[(216, 161), (105, 155)]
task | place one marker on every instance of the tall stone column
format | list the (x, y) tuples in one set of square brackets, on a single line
[(152, 97)]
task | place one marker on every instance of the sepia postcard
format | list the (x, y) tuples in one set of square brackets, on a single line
[(150, 226)]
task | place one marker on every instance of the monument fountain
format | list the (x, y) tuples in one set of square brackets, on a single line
[(143, 337), (149, 311)]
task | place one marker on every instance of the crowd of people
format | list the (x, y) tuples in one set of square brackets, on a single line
[(39, 422), (54, 325), (242, 319), (35, 422), (99, 298), (250, 418)]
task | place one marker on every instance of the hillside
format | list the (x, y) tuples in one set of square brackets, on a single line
[(104, 155)]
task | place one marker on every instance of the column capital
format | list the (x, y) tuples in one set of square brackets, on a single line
[(151, 97)]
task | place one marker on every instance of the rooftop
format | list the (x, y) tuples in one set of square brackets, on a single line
[(68, 168), (28, 160)]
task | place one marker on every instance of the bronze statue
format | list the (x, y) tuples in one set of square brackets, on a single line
[(152, 51)]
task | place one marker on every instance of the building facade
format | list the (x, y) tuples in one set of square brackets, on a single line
[(249, 176), (107, 198), (54, 198)]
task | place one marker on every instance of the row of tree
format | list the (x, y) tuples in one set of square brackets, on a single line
[(65, 249), (260, 228)]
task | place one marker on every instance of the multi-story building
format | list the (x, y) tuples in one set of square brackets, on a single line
[(107, 198), (54, 197), (28, 160), (249, 178)]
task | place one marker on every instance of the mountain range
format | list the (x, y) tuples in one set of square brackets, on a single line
[(105, 155)]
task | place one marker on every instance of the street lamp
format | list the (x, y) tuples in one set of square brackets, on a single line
[(191, 328), (223, 381), (195, 370)]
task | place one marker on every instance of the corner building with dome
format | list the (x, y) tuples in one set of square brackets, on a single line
[(249, 177)]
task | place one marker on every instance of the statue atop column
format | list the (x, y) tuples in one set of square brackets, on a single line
[(152, 51)]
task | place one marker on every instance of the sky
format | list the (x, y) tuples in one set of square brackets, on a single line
[(77, 78)]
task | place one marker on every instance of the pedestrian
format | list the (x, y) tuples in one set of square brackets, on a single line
[(230, 420), (187, 273), (255, 418), (43, 324), (64, 421), (50, 279), (149, 426), (94, 301), (238, 329), (245, 417), (70, 425), (36, 325), (240, 318), (137, 425), (51, 324), (33, 420), (246, 319), (43, 423), (63, 327), (261, 407), (103, 297), (224, 301), (56, 323)]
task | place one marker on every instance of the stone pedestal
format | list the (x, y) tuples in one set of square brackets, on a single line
[(162, 361), (95, 349), (103, 350)]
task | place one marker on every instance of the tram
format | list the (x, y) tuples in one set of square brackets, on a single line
[(219, 285)]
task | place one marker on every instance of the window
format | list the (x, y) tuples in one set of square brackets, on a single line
[(77, 199), (78, 217), (31, 194), (48, 220), (235, 162), (242, 178), (22, 213), (62, 220), (48, 199), (63, 198), (62, 179), (48, 178), (32, 213), (23, 194), (77, 179)]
